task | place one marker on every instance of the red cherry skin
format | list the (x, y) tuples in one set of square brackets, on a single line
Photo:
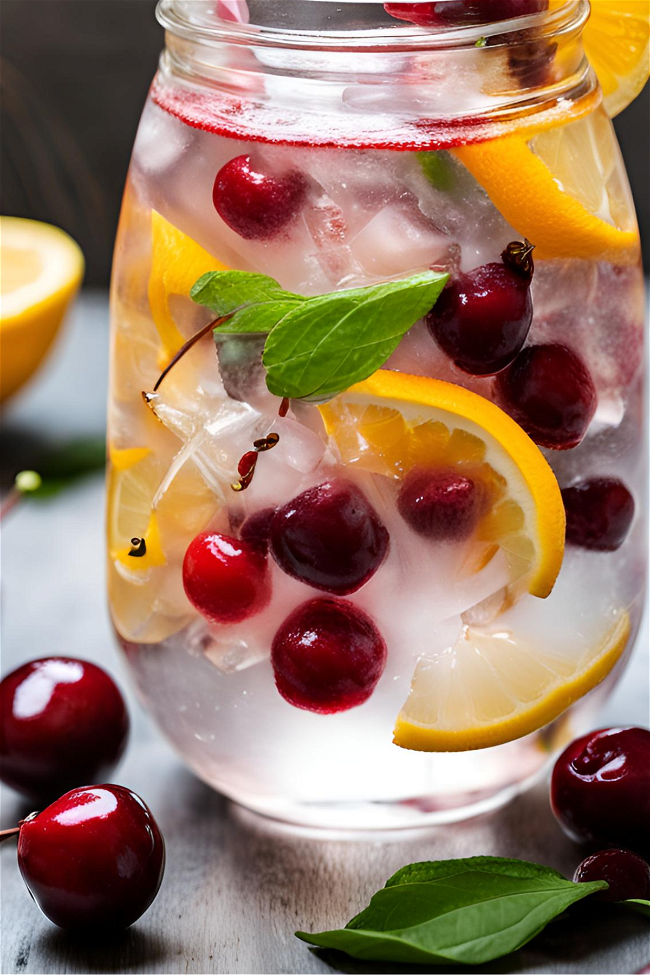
[(549, 392), (599, 512), (456, 13), (626, 873), (442, 505), (600, 788), (327, 656), (94, 859), (482, 318), (330, 537), (256, 205), (256, 530), (225, 578), (62, 721)]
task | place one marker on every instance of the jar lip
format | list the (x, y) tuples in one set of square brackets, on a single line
[(567, 18)]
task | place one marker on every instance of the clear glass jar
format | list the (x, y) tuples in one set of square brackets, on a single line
[(387, 564)]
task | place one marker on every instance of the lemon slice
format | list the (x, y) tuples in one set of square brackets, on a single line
[(40, 272), (616, 40), (167, 505), (177, 262), (492, 687), (563, 189), (393, 422)]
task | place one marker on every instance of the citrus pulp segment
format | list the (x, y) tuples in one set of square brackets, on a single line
[(177, 262), (616, 40), (393, 422), (492, 687), (41, 268), (565, 208)]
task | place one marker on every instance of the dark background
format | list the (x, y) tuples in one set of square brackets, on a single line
[(75, 75)]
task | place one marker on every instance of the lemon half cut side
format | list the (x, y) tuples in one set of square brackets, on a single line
[(41, 268)]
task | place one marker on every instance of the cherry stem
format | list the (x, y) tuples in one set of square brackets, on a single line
[(11, 500), (194, 339), (6, 834), (518, 255)]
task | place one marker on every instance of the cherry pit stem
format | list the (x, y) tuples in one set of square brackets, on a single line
[(6, 834)]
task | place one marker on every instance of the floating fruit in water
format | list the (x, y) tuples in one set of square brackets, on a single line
[(327, 656), (225, 578), (330, 537), (254, 204)]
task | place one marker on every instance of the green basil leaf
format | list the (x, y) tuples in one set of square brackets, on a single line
[(266, 302), (470, 911), (326, 344), (638, 904)]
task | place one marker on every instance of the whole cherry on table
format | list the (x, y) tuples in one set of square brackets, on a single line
[(93, 860), (63, 722)]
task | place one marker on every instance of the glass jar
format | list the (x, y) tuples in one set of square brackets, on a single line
[(354, 607)]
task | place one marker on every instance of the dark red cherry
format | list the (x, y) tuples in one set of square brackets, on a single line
[(256, 205), (626, 873), (549, 392), (94, 859), (62, 721), (330, 537), (256, 530), (226, 579), (599, 512), (456, 13), (327, 656), (482, 318), (443, 505), (600, 788)]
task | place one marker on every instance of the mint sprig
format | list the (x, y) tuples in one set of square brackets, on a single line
[(470, 911), (319, 346)]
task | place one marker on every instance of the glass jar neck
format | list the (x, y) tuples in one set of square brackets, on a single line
[(346, 83)]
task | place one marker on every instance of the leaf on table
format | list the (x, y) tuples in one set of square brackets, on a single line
[(470, 911)]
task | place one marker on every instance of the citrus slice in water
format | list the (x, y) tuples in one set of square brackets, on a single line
[(562, 188), (166, 505), (393, 422), (177, 262), (40, 271), (493, 687)]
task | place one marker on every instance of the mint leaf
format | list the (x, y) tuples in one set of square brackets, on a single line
[(326, 344), (317, 347), (266, 302), (470, 911), (638, 904), (438, 168)]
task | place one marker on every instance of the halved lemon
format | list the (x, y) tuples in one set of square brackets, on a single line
[(177, 262), (563, 188), (616, 40), (493, 687), (393, 422), (41, 268)]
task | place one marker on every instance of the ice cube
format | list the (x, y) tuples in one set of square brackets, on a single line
[(395, 242)]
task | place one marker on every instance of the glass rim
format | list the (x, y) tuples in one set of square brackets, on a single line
[(404, 37)]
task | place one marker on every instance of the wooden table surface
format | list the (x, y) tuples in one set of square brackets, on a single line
[(236, 886)]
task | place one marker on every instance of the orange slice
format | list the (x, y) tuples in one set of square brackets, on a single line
[(393, 422)]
